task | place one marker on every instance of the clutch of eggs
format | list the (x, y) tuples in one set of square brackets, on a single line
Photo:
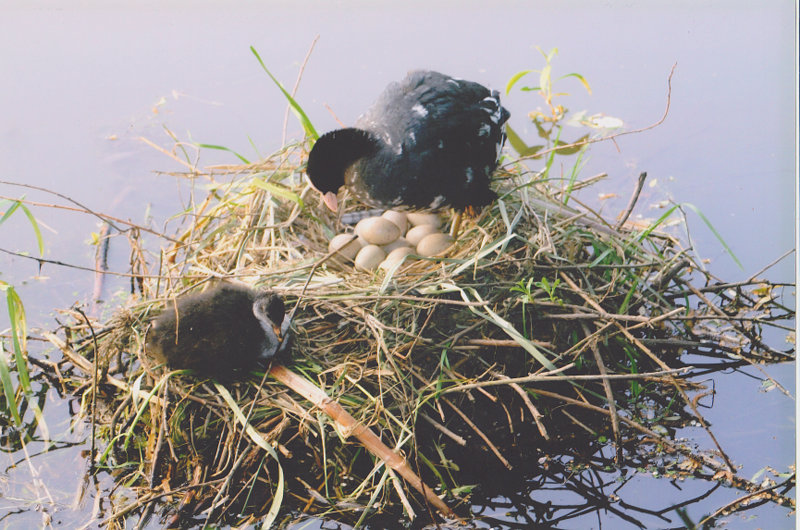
[(383, 241)]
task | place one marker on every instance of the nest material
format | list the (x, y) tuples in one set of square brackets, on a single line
[(545, 332)]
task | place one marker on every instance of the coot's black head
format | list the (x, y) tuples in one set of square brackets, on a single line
[(269, 308), (330, 157)]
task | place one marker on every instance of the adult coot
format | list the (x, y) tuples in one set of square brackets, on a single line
[(222, 332), (429, 141)]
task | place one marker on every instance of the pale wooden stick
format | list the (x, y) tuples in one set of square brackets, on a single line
[(350, 425)]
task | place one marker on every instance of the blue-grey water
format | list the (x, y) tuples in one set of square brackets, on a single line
[(81, 84)]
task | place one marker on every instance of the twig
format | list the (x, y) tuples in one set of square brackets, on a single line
[(82, 209), (613, 136), (480, 433), (351, 426), (738, 502), (632, 202), (612, 406), (444, 430), (537, 416), (78, 267), (95, 366), (554, 378), (296, 85)]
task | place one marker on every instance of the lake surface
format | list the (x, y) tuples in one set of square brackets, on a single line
[(81, 86)]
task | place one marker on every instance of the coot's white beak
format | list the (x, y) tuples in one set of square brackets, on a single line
[(330, 201)]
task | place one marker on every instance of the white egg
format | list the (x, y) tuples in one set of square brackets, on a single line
[(434, 244), (377, 230), (398, 218), (423, 218), (415, 235), (347, 245), (369, 257), (395, 256), (397, 243)]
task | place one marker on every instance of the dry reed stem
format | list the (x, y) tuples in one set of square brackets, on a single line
[(395, 461)]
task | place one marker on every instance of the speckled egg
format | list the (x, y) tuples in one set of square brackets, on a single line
[(377, 230), (369, 258), (434, 244)]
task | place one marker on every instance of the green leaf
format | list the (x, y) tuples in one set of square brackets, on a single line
[(575, 148), (10, 211), (519, 144), (580, 78), (516, 77), (16, 315), (35, 225), (8, 388), (544, 78), (298, 111)]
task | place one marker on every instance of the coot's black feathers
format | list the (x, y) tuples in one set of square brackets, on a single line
[(225, 330), (429, 141)]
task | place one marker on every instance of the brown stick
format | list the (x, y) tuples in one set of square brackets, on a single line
[(350, 425), (632, 202), (612, 407)]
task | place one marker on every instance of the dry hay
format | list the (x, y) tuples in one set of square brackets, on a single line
[(545, 332)]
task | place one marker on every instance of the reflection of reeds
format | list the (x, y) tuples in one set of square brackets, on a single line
[(545, 332)]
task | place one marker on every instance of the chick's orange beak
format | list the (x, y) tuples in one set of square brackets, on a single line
[(277, 329), (330, 201)]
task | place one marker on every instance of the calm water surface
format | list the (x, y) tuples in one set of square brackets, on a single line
[(82, 85)]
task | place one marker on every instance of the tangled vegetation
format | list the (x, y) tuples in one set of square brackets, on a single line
[(549, 343)]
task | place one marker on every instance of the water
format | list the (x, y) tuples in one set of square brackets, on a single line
[(82, 85)]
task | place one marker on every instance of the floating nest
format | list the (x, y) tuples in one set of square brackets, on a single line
[(546, 335)]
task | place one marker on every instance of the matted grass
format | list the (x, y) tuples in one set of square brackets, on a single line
[(546, 332)]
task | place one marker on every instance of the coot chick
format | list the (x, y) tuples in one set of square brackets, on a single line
[(429, 141), (224, 331)]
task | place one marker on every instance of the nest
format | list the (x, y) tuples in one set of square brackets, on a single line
[(545, 335)]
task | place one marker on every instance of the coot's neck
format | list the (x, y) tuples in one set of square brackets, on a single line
[(334, 152)]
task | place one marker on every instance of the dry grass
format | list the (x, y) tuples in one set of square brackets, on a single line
[(546, 331)]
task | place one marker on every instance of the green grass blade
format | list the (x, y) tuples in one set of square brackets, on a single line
[(10, 211), (641, 237), (278, 191), (298, 111), (16, 315), (15, 205), (8, 387), (259, 440), (714, 231), (223, 148), (35, 225), (502, 323)]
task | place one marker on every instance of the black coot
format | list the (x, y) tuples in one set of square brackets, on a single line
[(429, 141), (224, 331)]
